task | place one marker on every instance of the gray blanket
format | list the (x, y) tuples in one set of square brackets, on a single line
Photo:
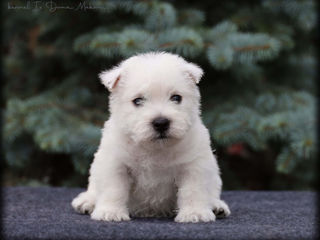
[(46, 213)]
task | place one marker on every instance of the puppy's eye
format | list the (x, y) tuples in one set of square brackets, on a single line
[(138, 101), (176, 98)]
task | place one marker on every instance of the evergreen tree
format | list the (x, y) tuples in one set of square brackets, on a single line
[(258, 92)]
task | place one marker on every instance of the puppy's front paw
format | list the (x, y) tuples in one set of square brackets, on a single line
[(221, 209), (195, 215), (84, 203), (110, 214)]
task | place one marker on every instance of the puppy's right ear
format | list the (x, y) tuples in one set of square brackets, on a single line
[(110, 78), (194, 71)]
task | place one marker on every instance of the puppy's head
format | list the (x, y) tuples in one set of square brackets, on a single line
[(154, 97)]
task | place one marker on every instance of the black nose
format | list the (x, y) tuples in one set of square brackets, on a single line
[(161, 124)]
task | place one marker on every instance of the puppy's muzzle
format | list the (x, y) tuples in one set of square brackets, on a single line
[(161, 125)]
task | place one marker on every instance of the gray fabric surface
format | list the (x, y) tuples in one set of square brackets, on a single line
[(46, 213)]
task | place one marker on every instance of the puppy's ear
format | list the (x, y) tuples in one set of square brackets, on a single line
[(110, 78), (194, 71)]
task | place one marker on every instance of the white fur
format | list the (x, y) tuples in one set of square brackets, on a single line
[(135, 173)]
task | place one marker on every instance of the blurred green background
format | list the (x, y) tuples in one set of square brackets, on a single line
[(258, 91)]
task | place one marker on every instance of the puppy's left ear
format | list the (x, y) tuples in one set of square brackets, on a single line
[(194, 71), (110, 78)]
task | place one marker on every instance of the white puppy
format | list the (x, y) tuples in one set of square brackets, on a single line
[(154, 157)]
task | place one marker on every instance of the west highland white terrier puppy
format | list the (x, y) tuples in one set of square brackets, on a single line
[(154, 157)]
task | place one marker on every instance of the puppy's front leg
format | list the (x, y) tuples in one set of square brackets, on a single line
[(194, 194), (113, 194)]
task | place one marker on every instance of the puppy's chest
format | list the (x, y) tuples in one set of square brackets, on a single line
[(153, 183), (152, 179), (152, 175), (147, 177), (153, 191)]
